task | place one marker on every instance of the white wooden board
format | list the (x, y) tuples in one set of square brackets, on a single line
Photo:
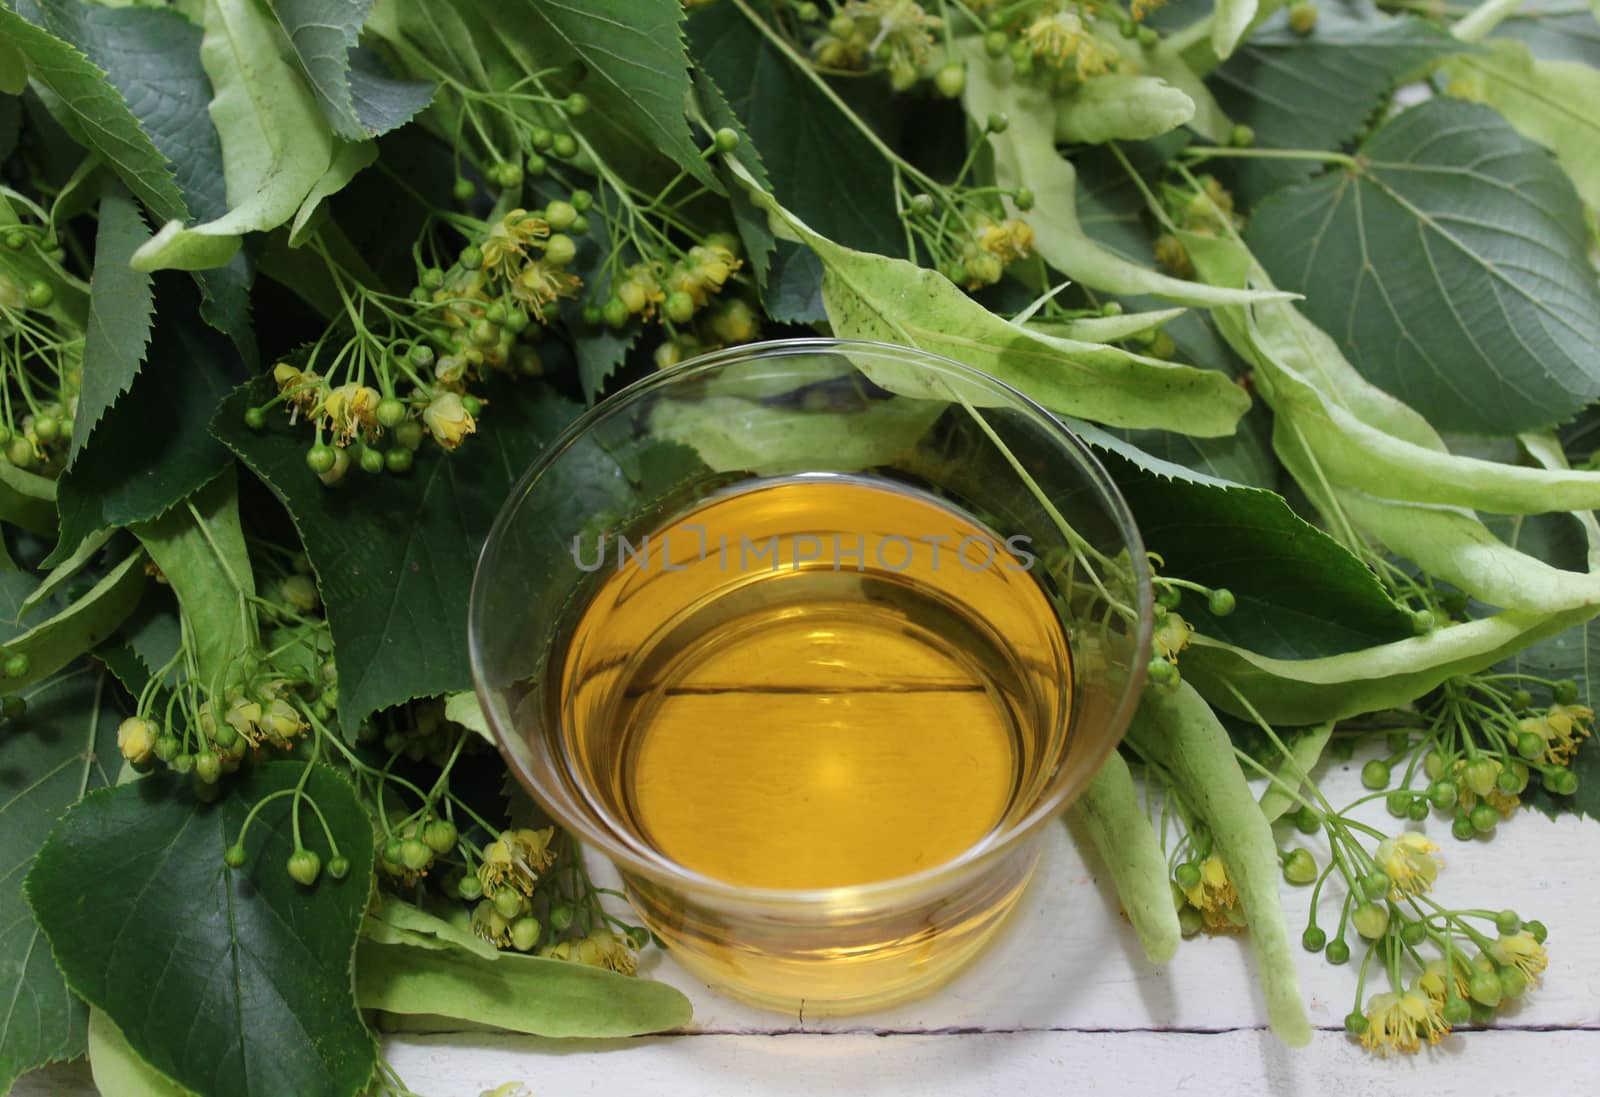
[(1064, 1003)]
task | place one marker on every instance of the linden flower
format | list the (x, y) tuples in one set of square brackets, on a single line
[(136, 739), (350, 408), (1172, 635), (301, 389), (640, 290), (1521, 951), (541, 283), (605, 949), (1408, 862), (1215, 897), (1007, 240), (1505, 803), (504, 247), (447, 420), (1436, 977), (1400, 1022), (1562, 727), (515, 859)]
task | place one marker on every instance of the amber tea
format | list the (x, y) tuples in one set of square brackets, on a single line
[(814, 682)]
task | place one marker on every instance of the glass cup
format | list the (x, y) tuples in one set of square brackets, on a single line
[(1057, 660)]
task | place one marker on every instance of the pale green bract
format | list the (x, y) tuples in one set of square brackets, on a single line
[(1550, 101), (1121, 107), (1025, 156), (880, 299), (118, 1070), (276, 144)]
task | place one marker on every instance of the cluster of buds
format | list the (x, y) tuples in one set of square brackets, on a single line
[(892, 36), (1172, 632), (41, 351), (1206, 212), (408, 851), (685, 295), (1067, 41), (512, 867), (1484, 742), (485, 312), (249, 723)]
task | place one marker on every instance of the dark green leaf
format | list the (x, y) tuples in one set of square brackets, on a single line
[(128, 83), (1451, 268), (638, 70), (226, 981), (1317, 91), (358, 98), (394, 555), (824, 169), (120, 307), (153, 447), (1300, 593), (65, 746), (793, 294), (522, 993), (80, 626), (748, 218)]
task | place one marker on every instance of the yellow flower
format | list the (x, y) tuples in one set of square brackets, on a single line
[(1007, 240), (1055, 37), (350, 408), (1172, 635), (1437, 976), (447, 420), (1408, 862), (640, 290), (282, 722), (136, 739), (505, 246), (605, 949), (1399, 1022), (1216, 898), (1521, 951), (1171, 254), (489, 924), (1562, 727), (541, 283), (1141, 8), (515, 859), (301, 389)]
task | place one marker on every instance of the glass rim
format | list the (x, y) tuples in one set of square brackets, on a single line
[(662, 870)]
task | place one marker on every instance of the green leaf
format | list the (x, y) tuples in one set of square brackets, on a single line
[(1452, 268), (1297, 692), (121, 304), (394, 559), (1554, 31), (1230, 22), (393, 921), (63, 573), (1025, 156), (79, 627), (202, 554), (1316, 91), (556, 998), (463, 708), (349, 160), (224, 980), (1105, 329), (1121, 107), (747, 216), (95, 62), (638, 69), (735, 433), (64, 747), (890, 300), (26, 499), (276, 144), (1300, 593), (117, 1068), (358, 102), (807, 146), (1545, 100), (153, 447)]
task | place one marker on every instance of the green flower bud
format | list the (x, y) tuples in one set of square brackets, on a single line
[(561, 915), (725, 139), (1221, 602), (525, 934), (1313, 939), (577, 104), (560, 249), (1484, 818), (1190, 921), (1188, 875), (1337, 951), (469, 888), (235, 856), (398, 459), (1300, 868), (1413, 933), (415, 854), (951, 80), (440, 835), (1371, 920), (1485, 988), (508, 903), (1376, 774), (1355, 1023), (1397, 803), (463, 189), (304, 866)]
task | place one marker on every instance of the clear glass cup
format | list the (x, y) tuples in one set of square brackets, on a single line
[(881, 418)]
